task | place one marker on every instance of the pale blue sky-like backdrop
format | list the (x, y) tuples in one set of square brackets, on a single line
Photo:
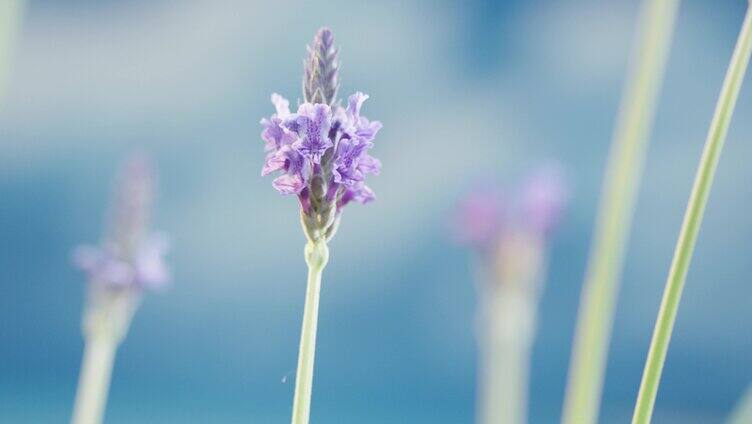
[(464, 89)]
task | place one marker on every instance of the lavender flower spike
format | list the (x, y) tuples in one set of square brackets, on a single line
[(321, 150), (129, 261), (321, 154), (130, 258), (509, 228)]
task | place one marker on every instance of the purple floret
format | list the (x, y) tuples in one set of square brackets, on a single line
[(298, 145), (312, 124), (146, 269), (544, 196), (489, 212), (481, 217)]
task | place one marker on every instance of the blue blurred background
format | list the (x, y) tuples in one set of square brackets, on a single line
[(463, 89)]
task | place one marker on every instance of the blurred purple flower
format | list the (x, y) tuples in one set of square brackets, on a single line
[(103, 266), (480, 217), (486, 213), (544, 196), (130, 257), (321, 149), (106, 266)]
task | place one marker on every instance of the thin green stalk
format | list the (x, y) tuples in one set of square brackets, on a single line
[(10, 20), (742, 414), (509, 293), (106, 319), (691, 225), (317, 256), (621, 181), (94, 381), (509, 327)]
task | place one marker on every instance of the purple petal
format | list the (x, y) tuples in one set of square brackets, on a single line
[(102, 267), (281, 104), (290, 123), (314, 121), (288, 184), (543, 198), (480, 217), (287, 159), (346, 170), (354, 103), (369, 164), (275, 134), (114, 272), (151, 269), (275, 161), (367, 130), (359, 193), (364, 195)]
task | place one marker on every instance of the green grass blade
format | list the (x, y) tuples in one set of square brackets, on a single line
[(623, 171), (691, 226)]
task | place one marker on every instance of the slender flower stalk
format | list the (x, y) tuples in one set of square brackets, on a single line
[(316, 256), (508, 320), (620, 186), (94, 381), (692, 221), (10, 21), (509, 234), (742, 414), (322, 154), (129, 261)]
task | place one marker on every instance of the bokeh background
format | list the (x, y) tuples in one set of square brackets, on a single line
[(464, 89)]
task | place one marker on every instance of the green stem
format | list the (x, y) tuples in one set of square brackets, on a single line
[(10, 20), (317, 256), (691, 225), (742, 414), (94, 381), (509, 293), (509, 324), (107, 316), (621, 181)]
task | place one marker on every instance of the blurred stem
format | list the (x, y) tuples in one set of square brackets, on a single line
[(106, 318), (508, 324), (743, 412), (94, 381), (511, 284), (691, 226), (10, 19), (317, 256), (621, 181)]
